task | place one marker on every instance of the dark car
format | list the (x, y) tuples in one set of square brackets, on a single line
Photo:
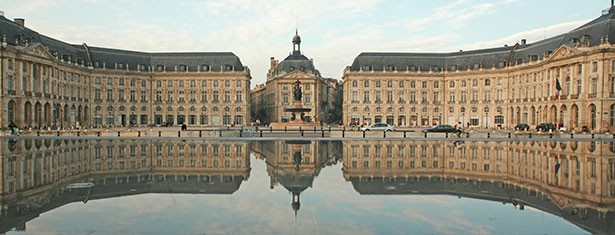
[(442, 128), (522, 127), (545, 127)]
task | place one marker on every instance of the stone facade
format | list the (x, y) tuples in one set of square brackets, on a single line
[(568, 80), (52, 84)]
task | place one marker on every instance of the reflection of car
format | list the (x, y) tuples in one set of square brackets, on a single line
[(522, 127), (378, 127), (167, 124), (545, 127), (442, 128)]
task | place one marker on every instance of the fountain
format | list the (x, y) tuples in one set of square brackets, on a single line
[(297, 118)]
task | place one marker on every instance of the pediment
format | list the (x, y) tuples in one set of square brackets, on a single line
[(39, 50), (297, 75), (564, 52)]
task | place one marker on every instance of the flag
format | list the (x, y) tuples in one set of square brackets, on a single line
[(558, 88)]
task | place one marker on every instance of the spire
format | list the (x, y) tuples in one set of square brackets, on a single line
[(296, 43)]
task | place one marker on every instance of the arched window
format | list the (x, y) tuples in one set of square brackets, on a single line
[(592, 111), (354, 84)]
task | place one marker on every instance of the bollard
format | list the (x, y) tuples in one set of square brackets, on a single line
[(404, 134), (299, 128), (38, 133), (550, 135), (363, 134), (571, 136), (285, 129), (344, 132), (509, 135), (488, 135), (98, 134), (446, 135), (613, 136), (384, 134), (77, 133), (159, 133), (139, 134), (425, 134), (592, 135), (200, 133), (118, 134), (240, 132), (530, 135), (261, 135), (323, 133), (329, 129), (301, 132), (270, 129), (179, 134), (314, 129)]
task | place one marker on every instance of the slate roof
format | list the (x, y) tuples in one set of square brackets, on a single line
[(107, 58), (296, 62), (589, 34)]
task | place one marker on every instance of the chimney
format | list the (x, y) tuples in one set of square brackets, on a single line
[(273, 62), (20, 21), (523, 41)]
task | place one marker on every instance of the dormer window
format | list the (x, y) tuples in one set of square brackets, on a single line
[(412, 68), (159, 68), (367, 68), (435, 68), (205, 67), (182, 68), (519, 61), (454, 68), (80, 61), (302, 69), (228, 67), (292, 68), (142, 67), (390, 67), (96, 64), (120, 65), (477, 66)]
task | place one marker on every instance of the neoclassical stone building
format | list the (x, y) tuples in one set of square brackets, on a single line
[(271, 98), (568, 80), (50, 83)]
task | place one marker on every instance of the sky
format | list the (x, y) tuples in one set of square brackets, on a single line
[(333, 33)]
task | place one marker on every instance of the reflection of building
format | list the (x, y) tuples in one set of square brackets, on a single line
[(35, 172), (271, 99), (568, 79), (53, 83), (295, 164), (523, 173)]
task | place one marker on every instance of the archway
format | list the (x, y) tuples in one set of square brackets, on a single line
[(533, 113), (38, 113), (46, 114), (27, 114), (11, 110), (574, 113), (553, 115), (592, 116), (564, 117)]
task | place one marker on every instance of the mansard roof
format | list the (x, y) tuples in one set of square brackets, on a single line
[(590, 34), (296, 62), (108, 58)]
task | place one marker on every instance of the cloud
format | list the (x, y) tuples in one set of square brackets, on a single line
[(530, 35)]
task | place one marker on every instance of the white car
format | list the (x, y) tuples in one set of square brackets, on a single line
[(378, 127)]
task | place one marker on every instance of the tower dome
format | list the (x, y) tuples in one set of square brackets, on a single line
[(296, 39)]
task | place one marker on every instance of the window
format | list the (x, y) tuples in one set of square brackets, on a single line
[(354, 84), (366, 84), (595, 66), (401, 84)]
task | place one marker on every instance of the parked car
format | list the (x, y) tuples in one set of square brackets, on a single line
[(545, 127), (522, 127), (442, 128), (378, 127)]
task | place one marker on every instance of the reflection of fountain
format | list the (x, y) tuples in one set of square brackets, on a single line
[(297, 118)]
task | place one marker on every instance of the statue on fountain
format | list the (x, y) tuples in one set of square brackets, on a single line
[(297, 91)]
